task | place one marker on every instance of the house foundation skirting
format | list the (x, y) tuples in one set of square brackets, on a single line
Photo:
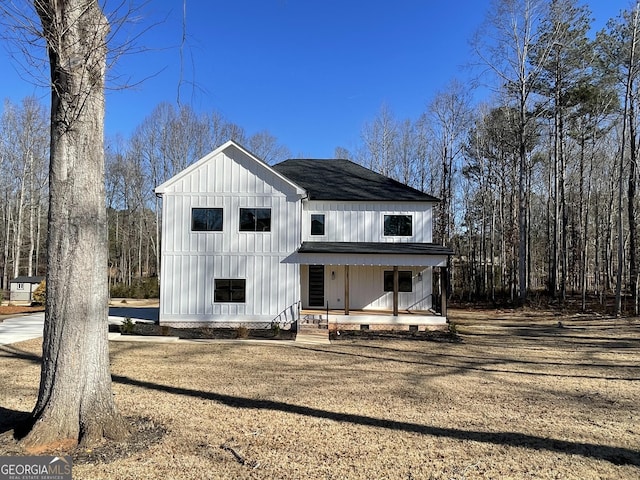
[(208, 321), (386, 322), (224, 324)]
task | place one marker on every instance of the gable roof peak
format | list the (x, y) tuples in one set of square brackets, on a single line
[(228, 145)]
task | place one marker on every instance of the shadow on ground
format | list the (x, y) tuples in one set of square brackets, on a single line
[(140, 313)]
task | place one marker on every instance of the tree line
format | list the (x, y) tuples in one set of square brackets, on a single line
[(168, 140), (538, 184)]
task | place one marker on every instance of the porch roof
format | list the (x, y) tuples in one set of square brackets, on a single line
[(403, 248), (371, 253)]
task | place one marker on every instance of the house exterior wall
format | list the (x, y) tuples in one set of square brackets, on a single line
[(192, 260), (366, 288), (364, 221)]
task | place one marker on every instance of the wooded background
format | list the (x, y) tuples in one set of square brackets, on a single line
[(538, 184)]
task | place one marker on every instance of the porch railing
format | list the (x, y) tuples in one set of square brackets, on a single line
[(289, 316)]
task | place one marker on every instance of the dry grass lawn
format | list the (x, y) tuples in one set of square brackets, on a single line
[(520, 398)]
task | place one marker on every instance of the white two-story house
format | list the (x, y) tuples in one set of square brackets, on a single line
[(245, 243)]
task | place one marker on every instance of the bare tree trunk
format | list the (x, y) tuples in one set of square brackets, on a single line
[(17, 239), (492, 255), (7, 240), (620, 264), (522, 207), (582, 224), (75, 402), (597, 253), (627, 115), (38, 235), (140, 220), (551, 264), (631, 200), (608, 258), (32, 209), (564, 220)]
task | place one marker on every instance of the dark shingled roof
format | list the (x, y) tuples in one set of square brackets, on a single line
[(374, 247), (25, 279), (345, 180)]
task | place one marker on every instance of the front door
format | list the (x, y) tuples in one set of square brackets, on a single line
[(316, 285)]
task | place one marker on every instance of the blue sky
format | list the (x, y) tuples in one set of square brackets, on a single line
[(311, 72)]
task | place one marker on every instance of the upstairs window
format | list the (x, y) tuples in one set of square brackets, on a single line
[(255, 219), (404, 281), (230, 290), (206, 219), (398, 226), (317, 224)]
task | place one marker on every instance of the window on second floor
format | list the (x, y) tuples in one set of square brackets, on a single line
[(404, 281), (398, 226), (317, 224), (206, 219), (255, 219)]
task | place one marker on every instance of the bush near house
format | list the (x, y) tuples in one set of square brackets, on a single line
[(39, 296)]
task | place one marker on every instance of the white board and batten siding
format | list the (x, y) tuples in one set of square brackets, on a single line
[(228, 178), (364, 221)]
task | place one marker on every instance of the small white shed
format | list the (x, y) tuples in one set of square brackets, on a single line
[(22, 288)]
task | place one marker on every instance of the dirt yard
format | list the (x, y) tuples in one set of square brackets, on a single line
[(521, 397)]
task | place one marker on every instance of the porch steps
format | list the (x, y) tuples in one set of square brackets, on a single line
[(316, 334), (313, 319)]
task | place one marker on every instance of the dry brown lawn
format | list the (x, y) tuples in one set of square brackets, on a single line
[(12, 310), (520, 398)]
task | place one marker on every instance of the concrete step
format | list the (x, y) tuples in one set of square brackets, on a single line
[(312, 335), (311, 327)]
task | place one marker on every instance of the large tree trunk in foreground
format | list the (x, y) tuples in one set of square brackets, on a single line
[(75, 401)]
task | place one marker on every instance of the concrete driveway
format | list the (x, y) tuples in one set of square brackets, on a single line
[(26, 327), (19, 329)]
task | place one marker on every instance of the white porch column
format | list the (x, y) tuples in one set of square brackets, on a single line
[(346, 289), (396, 287)]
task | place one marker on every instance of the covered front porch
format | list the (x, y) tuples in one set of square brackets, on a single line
[(373, 285)]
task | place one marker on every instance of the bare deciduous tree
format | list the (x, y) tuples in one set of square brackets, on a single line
[(75, 402)]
